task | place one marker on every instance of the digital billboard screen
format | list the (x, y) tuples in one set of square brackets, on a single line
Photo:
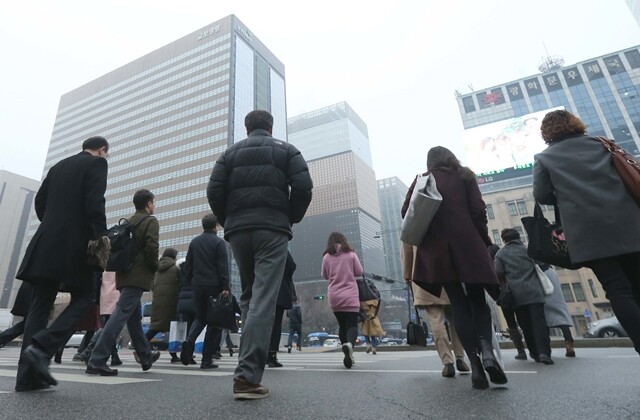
[(504, 147)]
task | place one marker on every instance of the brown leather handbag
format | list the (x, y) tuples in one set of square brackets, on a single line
[(626, 165)]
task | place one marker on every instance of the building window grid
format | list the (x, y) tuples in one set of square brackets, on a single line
[(143, 113), (592, 286), (578, 292), (169, 63), (567, 293), (496, 237), (102, 108), (512, 208), (522, 206), (490, 213)]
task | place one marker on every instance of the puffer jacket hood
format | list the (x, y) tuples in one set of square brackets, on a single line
[(165, 263)]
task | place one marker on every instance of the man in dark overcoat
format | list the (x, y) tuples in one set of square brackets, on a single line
[(70, 205)]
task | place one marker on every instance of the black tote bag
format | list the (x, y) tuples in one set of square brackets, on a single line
[(415, 333), (220, 313), (545, 245)]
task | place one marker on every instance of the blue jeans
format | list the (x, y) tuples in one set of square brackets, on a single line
[(373, 340), (292, 332)]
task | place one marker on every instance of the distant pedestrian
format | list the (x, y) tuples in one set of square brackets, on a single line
[(518, 269), (556, 312), (341, 267), (284, 302), (109, 296), (70, 205), (185, 310), (208, 273), (131, 285), (295, 325), (453, 255), (438, 310), (371, 327), (166, 285), (258, 189), (600, 220)]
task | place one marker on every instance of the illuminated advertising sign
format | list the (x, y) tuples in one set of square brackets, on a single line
[(501, 149)]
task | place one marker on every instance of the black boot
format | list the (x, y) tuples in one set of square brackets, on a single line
[(516, 337), (491, 365), (478, 378), (272, 360)]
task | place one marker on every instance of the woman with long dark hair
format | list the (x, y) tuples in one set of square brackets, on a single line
[(600, 219), (453, 255), (341, 266)]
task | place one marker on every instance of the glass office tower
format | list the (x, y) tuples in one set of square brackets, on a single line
[(334, 141), (391, 194), (168, 116)]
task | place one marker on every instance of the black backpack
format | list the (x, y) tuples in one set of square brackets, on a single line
[(122, 245)]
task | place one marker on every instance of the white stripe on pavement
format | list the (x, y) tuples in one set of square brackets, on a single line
[(91, 379)]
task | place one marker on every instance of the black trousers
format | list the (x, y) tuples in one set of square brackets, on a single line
[(510, 317), (348, 322), (471, 315), (212, 336), (534, 328), (49, 340), (620, 279), (12, 333), (276, 332)]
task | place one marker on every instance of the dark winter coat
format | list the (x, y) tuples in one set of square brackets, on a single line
[(145, 257), (454, 249), (295, 316), (259, 183), (186, 300), (513, 263), (166, 286), (207, 263), (287, 288), (71, 207), (23, 300), (599, 217)]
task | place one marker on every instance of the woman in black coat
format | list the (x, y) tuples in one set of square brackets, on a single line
[(453, 254), (600, 220), (185, 310)]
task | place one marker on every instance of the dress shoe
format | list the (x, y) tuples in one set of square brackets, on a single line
[(217, 355), (175, 359), (478, 378), (462, 366), (231, 352), (545, 359), (186, 354), (115, 360), (491, 365), (374, 350), (57, 360), (100, 370), (39, 362), (147, 363), (77, 358), (522, 355), (570, 352), (136, 357), (208, 365), (192, 361), (448, 371), (369, 348), (288, 349)]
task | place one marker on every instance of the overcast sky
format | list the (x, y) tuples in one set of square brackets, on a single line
[(396, 63)]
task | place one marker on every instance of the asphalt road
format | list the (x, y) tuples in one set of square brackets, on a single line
[(600, 383)]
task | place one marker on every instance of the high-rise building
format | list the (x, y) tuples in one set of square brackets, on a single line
[(334, 141), (16, 202), (634, 6), (391, 194), (502, 135), (168, 116)]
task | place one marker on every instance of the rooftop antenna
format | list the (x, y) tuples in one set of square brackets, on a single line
[(550, 63)]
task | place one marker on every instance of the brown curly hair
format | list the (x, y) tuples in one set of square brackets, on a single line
[(558, 125)]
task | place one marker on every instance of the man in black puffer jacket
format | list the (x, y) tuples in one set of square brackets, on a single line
[(259, 187)]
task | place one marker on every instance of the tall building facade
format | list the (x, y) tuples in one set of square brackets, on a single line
[(391, 194), (16, 204), (634, 6), (605, 93), (168, 116), (334, 141)]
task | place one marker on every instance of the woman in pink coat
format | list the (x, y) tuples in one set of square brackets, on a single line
[(341, 266)]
